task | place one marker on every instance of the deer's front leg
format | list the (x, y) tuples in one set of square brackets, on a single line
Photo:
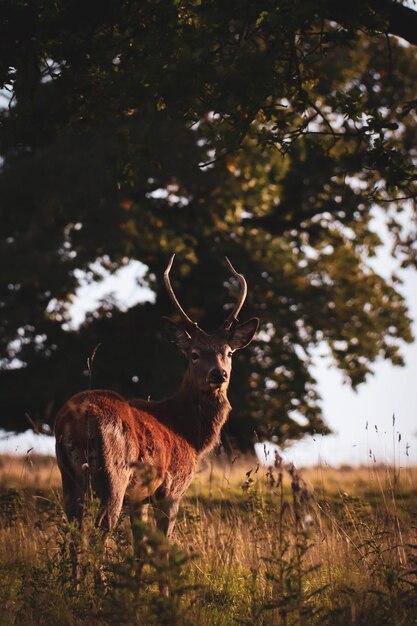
[(165, 512), (139, 511)]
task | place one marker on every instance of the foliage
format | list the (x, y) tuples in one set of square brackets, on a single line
[(268, 131), (265, 547)]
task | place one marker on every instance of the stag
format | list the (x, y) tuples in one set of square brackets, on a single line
[(104, 442)]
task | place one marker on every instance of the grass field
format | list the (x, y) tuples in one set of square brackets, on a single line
[(253, 546)]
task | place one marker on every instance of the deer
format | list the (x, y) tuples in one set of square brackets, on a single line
[(150, 448)]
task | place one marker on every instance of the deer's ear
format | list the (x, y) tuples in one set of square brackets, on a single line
[(243, 334), (175, 333)]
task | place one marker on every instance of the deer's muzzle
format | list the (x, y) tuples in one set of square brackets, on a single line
[(217, 376)]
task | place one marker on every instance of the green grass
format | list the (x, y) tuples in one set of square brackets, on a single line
[(252, 546)]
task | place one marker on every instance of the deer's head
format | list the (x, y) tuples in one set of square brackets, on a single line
[(210, 356)]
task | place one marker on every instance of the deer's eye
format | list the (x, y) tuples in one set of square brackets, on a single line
[(195, 356), (230, 354)]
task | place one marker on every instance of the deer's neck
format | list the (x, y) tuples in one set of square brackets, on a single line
[(201, 416)]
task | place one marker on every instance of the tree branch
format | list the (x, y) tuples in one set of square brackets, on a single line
[(402, 21), (399, 19)]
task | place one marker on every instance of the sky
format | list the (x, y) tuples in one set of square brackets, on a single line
[(376, 424)]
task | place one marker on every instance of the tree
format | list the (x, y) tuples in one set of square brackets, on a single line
[(268, 131)]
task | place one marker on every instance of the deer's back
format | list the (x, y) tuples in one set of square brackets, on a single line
[(100, 430)]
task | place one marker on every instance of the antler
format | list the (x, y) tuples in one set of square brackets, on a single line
[(189, 322), (232, 318)]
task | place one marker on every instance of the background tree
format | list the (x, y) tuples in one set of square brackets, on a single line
[(268, 131)]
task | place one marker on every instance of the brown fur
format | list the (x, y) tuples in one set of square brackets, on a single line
[(140, 447), (147, 448)]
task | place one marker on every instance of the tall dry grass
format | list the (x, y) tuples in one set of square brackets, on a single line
[(254, 545)]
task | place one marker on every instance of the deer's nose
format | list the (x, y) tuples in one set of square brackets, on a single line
[(217, 376)]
